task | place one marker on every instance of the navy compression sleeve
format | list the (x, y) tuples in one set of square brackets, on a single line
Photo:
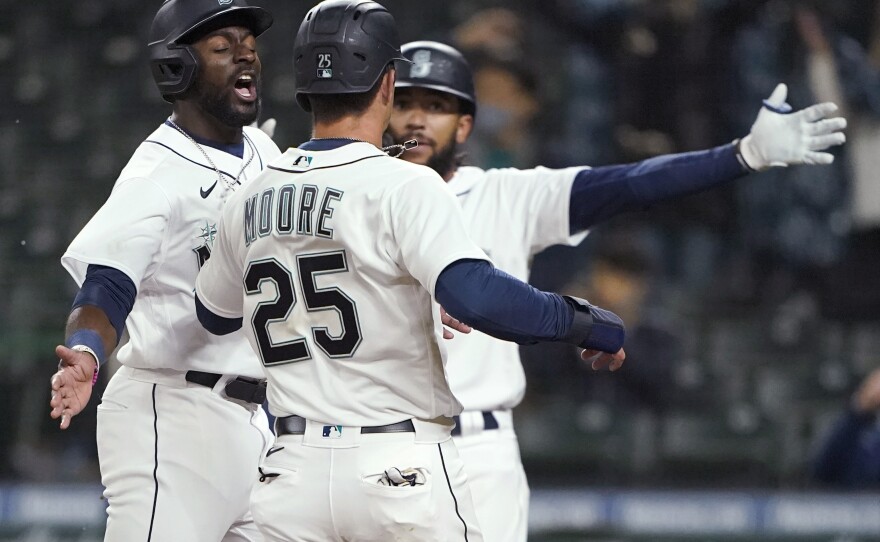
[(497, 304), (214, 323), (110, 290), (603, 192)]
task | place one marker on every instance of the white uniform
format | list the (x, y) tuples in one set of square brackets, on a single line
[(512, 215), (340, 251), (177, 459)]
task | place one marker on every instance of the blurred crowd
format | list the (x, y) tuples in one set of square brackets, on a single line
[(753, 309)]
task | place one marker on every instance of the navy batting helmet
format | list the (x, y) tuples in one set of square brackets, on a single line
[(343, 47), (173, 62), (439, 67)]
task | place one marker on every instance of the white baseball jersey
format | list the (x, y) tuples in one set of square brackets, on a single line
[(340, 251), (512, 215), (158, 227)]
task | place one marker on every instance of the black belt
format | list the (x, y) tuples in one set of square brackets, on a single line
[(296, 425), (249, 390), (489, 422)]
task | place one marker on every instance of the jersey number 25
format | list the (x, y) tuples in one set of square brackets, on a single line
[(316, 299)]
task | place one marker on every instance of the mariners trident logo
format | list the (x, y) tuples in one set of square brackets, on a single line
[(203, 252), (421, 64)]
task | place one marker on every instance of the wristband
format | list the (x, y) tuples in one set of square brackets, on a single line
[(740, 158), (88, 340), (593, 328)]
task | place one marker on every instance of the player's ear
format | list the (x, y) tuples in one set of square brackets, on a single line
[(386, 88), (464, 128)]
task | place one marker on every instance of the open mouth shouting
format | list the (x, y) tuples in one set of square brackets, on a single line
[(246, 88)]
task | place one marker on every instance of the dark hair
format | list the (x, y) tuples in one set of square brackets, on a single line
[(328, 108)]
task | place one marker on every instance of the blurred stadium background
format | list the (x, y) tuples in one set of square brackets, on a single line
[(754, 309)]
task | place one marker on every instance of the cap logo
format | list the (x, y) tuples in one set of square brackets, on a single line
[(421, 66), (325, 65), (224, 2)]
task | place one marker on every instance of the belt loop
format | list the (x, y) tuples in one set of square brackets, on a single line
[(489, 421)]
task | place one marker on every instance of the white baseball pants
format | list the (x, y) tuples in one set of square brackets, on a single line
[(325, 486), (177, 460)]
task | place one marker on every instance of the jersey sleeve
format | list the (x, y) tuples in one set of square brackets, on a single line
[(538, 203), (219, 284), (428, 226), (126, 233)]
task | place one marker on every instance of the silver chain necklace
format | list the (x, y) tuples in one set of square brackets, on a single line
[(220, 176), (399, 148)]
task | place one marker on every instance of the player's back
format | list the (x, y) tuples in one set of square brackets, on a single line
[(337, 284)]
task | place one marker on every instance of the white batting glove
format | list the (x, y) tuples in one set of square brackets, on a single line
[(780, 138)]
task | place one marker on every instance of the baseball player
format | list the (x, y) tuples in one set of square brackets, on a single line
[(514, 214), (180, 430), (330, 260)]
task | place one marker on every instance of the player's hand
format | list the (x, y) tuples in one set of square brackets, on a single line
[(268, 127), (780, 138), (457, 325), (600, 360), (72, 384)]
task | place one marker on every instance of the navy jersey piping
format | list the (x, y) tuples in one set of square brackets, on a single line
[(326, 167), (188, 159)]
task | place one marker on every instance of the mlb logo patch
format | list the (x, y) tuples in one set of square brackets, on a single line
[(302, 161), (325, 74), (332, 431)]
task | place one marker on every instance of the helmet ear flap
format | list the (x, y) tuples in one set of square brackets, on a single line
[(174, 69)]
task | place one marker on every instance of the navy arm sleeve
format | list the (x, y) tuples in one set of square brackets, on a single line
[(214, 323), (850, 455), (497, 304), (604, 192), (110, 290)]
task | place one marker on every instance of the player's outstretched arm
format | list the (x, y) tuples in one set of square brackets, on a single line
[(93, 328), (89, 335), (506, 308), (780, 138)]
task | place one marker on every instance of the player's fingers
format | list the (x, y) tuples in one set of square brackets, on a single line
[(601, 361), (61, 351), (826, 126), (818, 111), (56, 412), (818, 143), (588, 355), (777, 97), (820, 158), (618, 360), (65, 421), (453, 322), (447, 334)]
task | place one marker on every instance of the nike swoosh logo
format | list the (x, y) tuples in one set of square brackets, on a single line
[(206, 193), (273, 450)]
